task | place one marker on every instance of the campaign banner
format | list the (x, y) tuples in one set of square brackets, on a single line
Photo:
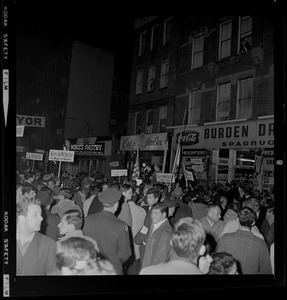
[(34, 156), (119, 172), (62, 155), (20, 131), (164, 177), (114, 164), (187, 174)]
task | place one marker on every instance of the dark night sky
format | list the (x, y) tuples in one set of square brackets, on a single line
[(40, 25)]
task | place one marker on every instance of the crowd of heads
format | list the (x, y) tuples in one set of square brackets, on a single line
[(77, 256)]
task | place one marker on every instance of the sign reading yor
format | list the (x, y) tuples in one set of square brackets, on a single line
[(62, 155)]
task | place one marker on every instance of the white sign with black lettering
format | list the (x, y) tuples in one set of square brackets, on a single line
[(223, 161), (34, 156), (62, 155), (119, 172), (196, 161), (20, 130), (164, 177), (197, 168)]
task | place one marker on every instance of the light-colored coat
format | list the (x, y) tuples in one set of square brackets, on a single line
[(138, 215)]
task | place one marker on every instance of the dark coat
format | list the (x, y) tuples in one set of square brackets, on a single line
[(182, 211), (112, 236), (141, 237), (49, 225), (158, 245), (96, 206)]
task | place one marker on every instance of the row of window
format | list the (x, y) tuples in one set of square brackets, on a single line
[(149, 124), (244, 45), (243, 107), (225, 35), (155, 37), (151, 78)]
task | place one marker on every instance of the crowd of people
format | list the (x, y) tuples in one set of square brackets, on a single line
[(87, 225)]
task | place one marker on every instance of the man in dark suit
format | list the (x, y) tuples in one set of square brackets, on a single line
[(110, 233)]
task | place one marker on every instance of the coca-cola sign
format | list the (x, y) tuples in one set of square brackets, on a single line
[(188, 137)]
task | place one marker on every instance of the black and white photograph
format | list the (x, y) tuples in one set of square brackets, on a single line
[(150, 146)]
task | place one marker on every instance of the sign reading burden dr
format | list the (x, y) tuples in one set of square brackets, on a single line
[(62, 155)]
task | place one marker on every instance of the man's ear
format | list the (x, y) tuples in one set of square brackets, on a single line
[(202, 250)]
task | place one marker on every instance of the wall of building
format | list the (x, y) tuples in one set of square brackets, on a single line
[(89, 92)]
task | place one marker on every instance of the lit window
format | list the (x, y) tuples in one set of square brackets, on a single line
[(142, 43), (194, 107), (151, 79), (164, 74), (139, 83), (225, 39), (245, 95), (223, 102), (167, 32), (245, 34), (154, 38), (149, 121), (197, 51), (137, 123), (162, 118)]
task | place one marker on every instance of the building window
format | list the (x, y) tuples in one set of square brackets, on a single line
[(164, 74), (194, 107), (223, 102), (162, 118), (142, 44), (139, 84), (151, 79), (137, 127), (225, 39), (245, 34), (154, 38), (197, 51), (149, 121), (245, 95), (167, 32)]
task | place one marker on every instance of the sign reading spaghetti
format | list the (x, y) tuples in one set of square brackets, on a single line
[(62, 155)]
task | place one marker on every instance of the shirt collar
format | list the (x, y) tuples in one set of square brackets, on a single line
[(157, 225)]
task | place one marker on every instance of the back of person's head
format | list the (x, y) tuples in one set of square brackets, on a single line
[(158, 186), (222, 263), (75, 253), (247, 217), (23, 204), (155, 191), (233, 206), (66, 193), (188, 237), (98, 267), (74, 216), (27, 189), (29, 174), (95, 190)]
